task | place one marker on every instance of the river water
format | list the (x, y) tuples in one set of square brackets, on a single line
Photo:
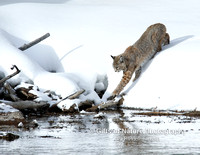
[(111, 132)]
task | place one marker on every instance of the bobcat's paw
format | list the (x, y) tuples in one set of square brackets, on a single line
[(122, 94), (111, 97)]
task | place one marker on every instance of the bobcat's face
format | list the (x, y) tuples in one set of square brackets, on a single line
[(118, 63)]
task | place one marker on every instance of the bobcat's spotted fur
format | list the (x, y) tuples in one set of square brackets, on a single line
[(138, 54)]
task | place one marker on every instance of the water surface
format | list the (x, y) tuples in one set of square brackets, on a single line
[(114, 132)]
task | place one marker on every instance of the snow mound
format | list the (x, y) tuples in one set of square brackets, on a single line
[(44, 55), (58, 82)]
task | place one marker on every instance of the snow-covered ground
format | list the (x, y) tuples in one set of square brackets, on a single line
[(84, 33)]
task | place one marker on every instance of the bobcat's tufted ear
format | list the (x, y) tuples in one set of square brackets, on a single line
[(113, 57), (121, 59)]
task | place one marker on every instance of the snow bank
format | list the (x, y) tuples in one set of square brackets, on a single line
[(59, 83), (10, 55), (32, 70), (44, 55), (97, 29)]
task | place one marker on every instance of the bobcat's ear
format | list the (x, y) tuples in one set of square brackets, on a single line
[(113, 57), (121, 59)]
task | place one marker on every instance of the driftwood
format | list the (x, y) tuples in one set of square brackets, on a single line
[(10, 76), (36, 41), (21, 105), (54, 107), (111, 104), (106, 105), (74, 95), (88, 106), (24, 94), (11, 92)]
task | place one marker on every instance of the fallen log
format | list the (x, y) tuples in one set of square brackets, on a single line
[(111, 104), (21, 105), (10, 76), (36, 41)]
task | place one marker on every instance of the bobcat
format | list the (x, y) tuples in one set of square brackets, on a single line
[(138, 54)]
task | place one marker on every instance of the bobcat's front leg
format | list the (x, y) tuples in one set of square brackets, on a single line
[(137, 75), (124, 81)]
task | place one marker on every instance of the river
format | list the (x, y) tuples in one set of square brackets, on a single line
[(110, 132)]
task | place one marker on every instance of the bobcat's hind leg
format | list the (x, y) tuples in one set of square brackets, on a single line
[(166, 39)]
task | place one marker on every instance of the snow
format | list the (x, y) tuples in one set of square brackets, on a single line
[(99, 115), (84, 33), (57, 82), (7, 108), (20, 125)]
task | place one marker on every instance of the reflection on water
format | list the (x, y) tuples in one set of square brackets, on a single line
[(111, 133)]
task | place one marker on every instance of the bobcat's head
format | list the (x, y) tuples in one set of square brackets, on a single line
[(119, 63)]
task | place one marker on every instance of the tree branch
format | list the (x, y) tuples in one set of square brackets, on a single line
[(36, 41), (74, 95), (10, 76)]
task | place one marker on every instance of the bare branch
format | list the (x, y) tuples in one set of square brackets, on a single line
[(74, 95), (36, 41), (10, 76)]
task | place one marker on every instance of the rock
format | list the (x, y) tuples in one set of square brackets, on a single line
[(34, 123), (8, 136), (85, 105), (73, 109), (10, 115)]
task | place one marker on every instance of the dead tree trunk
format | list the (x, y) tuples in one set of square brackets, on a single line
[(26, 46)]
